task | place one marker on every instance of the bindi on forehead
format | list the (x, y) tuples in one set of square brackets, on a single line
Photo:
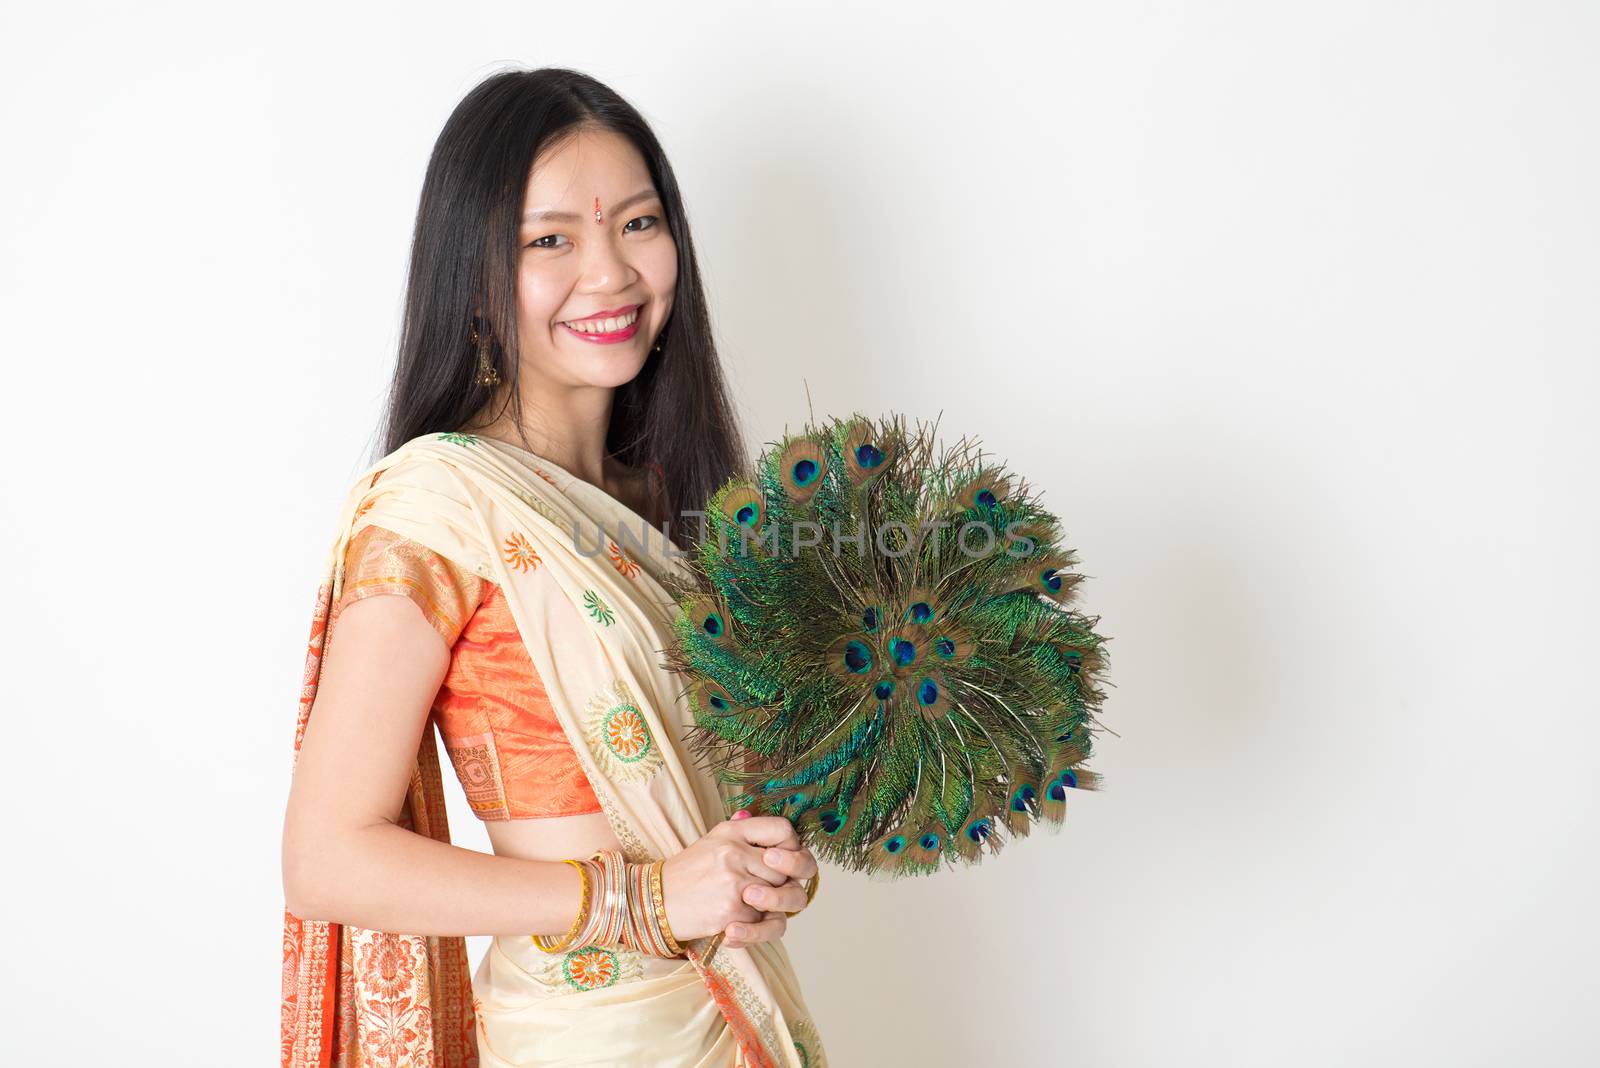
[(553, 215)]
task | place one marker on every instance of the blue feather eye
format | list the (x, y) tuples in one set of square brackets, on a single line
[(929, 841), (712, 625), (884, 689), (1058, 785), (830, 822), (979, 830), (1020, 799), (895, 844), (904, 652), (866, 452), (713, 699), (928, 692), (945, 647), (1051, 579), (920, 612), (745, 507), (869, 620), (800, 469), (984, 490), (850, 658)]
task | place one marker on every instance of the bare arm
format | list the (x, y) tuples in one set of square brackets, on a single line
[(345, 858)]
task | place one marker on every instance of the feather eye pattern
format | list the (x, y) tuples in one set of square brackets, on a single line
[(880, 640)]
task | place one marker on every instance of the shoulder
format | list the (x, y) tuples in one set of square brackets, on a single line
[(426, 461)]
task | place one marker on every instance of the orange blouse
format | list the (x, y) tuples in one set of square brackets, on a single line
[(509, 751)]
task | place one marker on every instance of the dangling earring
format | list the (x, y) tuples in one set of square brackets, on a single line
[(487, 374)]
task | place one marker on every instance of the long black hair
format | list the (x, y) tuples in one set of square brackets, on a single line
[(464, 257)]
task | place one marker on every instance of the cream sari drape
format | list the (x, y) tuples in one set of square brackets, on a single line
[(590, 604)]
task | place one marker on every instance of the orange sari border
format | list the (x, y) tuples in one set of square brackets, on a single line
[(358, 997)]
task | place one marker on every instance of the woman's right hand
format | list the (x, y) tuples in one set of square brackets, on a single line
[(705, 886)]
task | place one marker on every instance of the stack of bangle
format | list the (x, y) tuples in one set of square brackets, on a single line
[(621, 903)]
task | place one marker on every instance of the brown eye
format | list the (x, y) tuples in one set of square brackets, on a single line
[(538, 241), (652, 219)]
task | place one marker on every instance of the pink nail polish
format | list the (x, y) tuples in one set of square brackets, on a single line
[(742, 814)]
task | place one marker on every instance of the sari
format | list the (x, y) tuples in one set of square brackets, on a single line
[(597, 616)]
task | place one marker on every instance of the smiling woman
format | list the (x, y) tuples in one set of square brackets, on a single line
[(556, 369)]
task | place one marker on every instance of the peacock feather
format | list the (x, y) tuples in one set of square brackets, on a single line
[(878, 641)]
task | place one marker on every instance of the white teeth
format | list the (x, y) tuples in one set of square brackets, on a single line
[(604, 326)]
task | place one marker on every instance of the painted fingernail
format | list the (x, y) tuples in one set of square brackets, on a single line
[(742, 814)]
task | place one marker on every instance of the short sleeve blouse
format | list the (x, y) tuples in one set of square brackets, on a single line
[(510, 753)]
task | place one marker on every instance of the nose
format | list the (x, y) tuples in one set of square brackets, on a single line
[(606, 268)]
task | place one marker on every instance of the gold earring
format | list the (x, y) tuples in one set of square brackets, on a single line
[(487, 374)]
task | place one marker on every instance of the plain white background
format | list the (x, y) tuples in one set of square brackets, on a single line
[(1288, 308)]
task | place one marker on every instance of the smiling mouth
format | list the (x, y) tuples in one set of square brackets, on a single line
[(610, 325)]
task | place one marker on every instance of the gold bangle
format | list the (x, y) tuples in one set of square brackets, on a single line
[(658, 895), (543, 941)]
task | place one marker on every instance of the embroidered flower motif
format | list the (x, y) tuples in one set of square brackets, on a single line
[(621, 561), (590, 969), (520, 553), (619, 735), (459, 439), (389, 969), (598, 608), (626, 733)]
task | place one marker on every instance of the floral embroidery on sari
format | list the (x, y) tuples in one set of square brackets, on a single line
[(619, 736), (590, 968), (598, 608), (519, 553)]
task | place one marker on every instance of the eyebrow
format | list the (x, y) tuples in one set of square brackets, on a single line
[(572, 216)]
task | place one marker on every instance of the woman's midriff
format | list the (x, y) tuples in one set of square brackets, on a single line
[(552, 837)]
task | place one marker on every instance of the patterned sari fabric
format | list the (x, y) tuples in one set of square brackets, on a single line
[(588, 596)]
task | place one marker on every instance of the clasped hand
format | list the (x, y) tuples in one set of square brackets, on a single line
[(739, 878)]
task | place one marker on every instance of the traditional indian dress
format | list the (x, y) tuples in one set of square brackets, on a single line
[(563, 561)]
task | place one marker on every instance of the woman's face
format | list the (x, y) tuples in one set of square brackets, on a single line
[(573, 267)]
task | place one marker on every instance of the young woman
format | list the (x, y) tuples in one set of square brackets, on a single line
[(557, 387)]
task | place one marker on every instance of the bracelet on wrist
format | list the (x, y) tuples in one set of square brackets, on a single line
[(622, 904)]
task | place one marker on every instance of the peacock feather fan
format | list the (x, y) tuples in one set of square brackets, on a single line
[(879, 642)]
